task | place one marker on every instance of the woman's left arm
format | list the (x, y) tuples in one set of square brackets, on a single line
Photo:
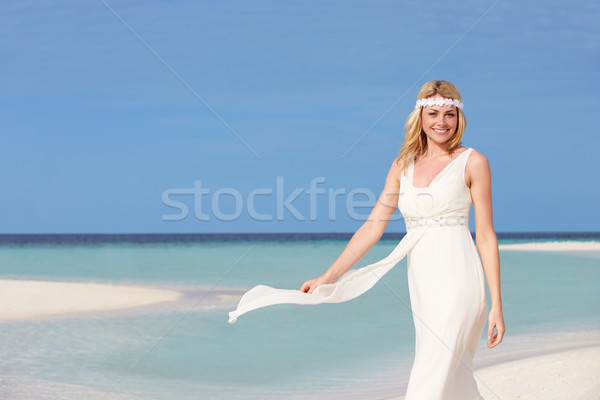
[(479, 174)]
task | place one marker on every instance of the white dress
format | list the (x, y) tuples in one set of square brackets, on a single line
[(446, 284)]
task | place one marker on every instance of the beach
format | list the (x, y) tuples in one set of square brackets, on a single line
[(569, 374), (22, 300), (41, 328), (555, 371)]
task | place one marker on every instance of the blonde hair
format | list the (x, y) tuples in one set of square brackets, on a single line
[(415, 140)]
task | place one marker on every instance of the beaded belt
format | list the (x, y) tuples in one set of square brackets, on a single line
[(435, 221)]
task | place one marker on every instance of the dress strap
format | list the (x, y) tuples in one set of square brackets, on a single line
[(464, 161), (406, 176), (410, 168)]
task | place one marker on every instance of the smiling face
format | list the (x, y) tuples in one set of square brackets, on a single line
[(439, 122)]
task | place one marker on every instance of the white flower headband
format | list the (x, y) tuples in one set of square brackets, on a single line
[(439, 101)]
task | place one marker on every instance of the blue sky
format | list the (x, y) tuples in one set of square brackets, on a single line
[(102, 114)]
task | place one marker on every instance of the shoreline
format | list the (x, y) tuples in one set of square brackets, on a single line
[(29, 299)]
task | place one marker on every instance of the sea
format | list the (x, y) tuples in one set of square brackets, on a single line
[(361, 349)]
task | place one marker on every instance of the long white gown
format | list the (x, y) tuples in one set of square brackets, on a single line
[(445, 278)]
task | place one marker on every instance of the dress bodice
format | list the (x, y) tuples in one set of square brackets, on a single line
[(446, 196)]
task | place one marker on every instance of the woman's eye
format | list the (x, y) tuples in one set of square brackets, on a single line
[(432, 114)]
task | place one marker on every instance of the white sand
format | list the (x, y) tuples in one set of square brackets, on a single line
[(563, 375), (30, 299), (553, 246), (573, 374)]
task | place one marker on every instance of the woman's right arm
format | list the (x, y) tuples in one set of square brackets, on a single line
[(367, 235)]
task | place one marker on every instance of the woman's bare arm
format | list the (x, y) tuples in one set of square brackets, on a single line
[(367, 235), (487, 241)]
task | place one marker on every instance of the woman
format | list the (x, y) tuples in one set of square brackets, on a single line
[(433, 182)]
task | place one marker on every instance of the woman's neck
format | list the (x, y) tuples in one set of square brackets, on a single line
[(435, 151)]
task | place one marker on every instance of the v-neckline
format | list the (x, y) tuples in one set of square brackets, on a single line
[(412, 178)]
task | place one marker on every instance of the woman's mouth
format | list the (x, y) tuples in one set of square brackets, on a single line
[(441, 131)]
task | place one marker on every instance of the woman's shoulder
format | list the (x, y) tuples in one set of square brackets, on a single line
[(477, 165), (396, 169), (398, 165), (476, 157)]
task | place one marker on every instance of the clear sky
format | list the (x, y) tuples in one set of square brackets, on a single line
[(112, 111)]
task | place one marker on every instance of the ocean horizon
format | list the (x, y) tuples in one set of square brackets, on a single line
[(82, 238)]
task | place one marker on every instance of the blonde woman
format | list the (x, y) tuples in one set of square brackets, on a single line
[(433, 182)]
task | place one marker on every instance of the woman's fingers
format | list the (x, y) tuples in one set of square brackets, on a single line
[(306, 287), (310, 286), (500, 334), (496, 322), (491, 341), (495, 340), (490, 330)]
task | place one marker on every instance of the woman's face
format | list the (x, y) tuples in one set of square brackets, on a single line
[(439, 122)]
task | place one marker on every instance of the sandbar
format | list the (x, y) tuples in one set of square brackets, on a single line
[(25, 299), (553, 246)]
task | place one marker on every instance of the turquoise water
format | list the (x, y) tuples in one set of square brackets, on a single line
[(281, 351)]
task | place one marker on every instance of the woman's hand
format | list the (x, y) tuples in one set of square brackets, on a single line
[(310, 286), (496, 320)]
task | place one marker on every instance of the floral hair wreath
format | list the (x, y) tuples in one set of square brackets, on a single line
[(439, 101)]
